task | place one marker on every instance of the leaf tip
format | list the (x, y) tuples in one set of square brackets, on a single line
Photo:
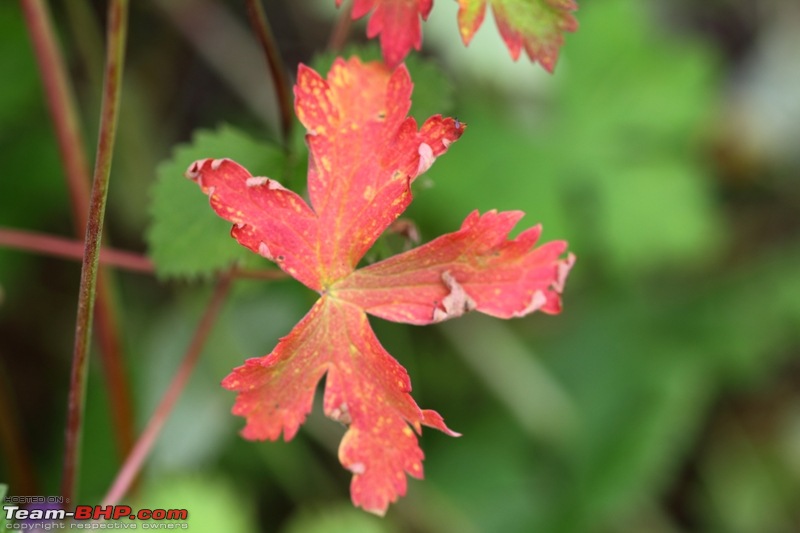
[(434, 420)]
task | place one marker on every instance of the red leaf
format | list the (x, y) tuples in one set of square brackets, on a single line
[(269, 219), (366, 389), (537, 26), (476, 267), (397, 22), (364, 153)]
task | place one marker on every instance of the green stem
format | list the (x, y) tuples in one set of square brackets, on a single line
[(63, 111), (141, 449), (283, 90), (115, 58)]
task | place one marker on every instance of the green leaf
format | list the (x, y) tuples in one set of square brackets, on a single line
[(610, 160), (535, 26), (186, 238), (336, 519), (213, 503)]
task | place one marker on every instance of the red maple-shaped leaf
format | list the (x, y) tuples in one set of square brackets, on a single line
[(364, 154), (537, 26), (397, 22)]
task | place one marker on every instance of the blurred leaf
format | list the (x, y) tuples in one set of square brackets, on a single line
[(184, 443), (632, 108), (645, 369), (506, 486), (214, 504), (609, 161), (186, 238), (17, 63), (535, 26), (747, 488), (338, 519)]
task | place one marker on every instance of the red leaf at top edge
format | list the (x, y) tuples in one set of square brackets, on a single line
[(536, 26), (397, 22)]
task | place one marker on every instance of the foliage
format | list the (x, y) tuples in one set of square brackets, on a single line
[(663, 399), (536, 26), (364, 154)]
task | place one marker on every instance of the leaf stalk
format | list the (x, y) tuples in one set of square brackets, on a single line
[(141, 449)]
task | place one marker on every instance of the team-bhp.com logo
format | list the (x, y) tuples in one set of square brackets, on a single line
[(45, 514)]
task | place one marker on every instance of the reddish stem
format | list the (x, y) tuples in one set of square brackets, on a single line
[(141, 449), (61, 102), (283, 90), (342, 28), (71, 249), (115, 57)]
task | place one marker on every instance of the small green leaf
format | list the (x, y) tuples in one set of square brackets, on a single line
[(186, 238)]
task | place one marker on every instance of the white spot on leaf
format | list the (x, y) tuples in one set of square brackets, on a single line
[(563, 269), (194, 169), (426, 158), (357, 468), (216, 163), (456, 303), (537, 301), (256, 182), (264, 251), (341, 414)]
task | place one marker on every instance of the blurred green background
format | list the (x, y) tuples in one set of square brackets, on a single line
[(665, 149)]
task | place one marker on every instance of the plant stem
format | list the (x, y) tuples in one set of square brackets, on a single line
[(112, 84), (342, 28), (63, 111), (61, 101), (141, 449), (71, 249), (283, 91)]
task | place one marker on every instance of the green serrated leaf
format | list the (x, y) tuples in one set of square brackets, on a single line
[(186, 239)]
